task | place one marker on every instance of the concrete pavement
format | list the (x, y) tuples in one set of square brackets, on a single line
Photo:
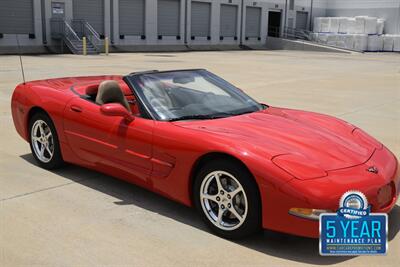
[(79, 217)]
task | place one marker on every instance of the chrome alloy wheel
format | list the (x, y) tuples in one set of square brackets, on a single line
[(223, 200), (42, 141)]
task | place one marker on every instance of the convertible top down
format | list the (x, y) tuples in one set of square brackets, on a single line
[(195, 138)]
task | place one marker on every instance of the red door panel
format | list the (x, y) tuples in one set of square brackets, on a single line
[(104, 140)]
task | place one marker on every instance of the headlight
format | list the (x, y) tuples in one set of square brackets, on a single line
[(299, 166), (312, 214)]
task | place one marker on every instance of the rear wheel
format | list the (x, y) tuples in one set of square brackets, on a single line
[(44, 141), (227, 198)]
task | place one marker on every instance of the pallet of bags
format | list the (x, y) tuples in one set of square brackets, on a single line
[(375, 43), (317, 24), (360, 24), (343, 25), (351, 25), (347, 25), (334, 23), (371, 25), (360, 42), (348, 41), (325, 24), (388, 42), (334, 40), (322, 38), (340, 40), (396, 43)]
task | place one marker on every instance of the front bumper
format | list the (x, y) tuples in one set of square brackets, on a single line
[(325, 193)]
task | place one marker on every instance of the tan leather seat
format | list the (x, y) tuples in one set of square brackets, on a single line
[(111, 92)]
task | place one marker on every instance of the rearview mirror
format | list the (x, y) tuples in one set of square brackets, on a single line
[(181, 79), (116, 109)]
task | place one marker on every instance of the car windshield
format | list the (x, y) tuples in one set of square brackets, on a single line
[(191, 95)]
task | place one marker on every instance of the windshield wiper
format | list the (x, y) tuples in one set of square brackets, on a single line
[(218, 115), (200, 117)]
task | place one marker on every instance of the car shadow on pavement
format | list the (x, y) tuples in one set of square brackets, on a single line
[(275, 244)]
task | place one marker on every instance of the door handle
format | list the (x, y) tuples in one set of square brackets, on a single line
[(76, 108)]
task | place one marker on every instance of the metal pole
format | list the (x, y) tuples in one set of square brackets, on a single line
[(241, 24), (185, 35), (84, 46), (112, 21), (398, 21), (311, 14), (106, 46), (284, 23)]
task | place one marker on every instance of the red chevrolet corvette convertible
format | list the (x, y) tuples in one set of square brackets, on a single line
[(195, 138)]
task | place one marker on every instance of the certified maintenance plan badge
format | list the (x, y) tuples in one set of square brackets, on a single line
[(353, 230)]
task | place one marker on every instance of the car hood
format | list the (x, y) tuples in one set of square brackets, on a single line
[(322, 140)]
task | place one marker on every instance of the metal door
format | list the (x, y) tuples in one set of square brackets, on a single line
[(91, 11), (200, 19), (168, 17), (228, 20), (253, 21), (16, 16), (131, 17), (274, 23), (301, 20)]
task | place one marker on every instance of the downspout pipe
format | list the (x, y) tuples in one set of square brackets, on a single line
[(285, 19), (241, 24), (311, 15), (186, 22), (398, 21)]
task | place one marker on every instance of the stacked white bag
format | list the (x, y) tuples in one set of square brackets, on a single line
[(360, 42), (343, 25), (396, 43), (325, 25), (371, 25), (360, 24), (361, 33), (317, 24), (375, 43), (334, 24), (380, 26), (388, 42)]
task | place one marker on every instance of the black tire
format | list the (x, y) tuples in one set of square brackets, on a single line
[(252, 222), (56, 160)]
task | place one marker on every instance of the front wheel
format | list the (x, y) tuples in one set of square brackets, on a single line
[(44, 141), (227, 198)]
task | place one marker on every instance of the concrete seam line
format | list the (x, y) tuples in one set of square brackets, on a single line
[(368, 107), (41, 190)]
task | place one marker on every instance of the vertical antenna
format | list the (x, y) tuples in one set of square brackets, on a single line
[(20, 59)]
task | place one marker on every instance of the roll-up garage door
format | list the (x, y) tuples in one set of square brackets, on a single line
[(228, 20), (201, 19), (16, 16), (301, 20), (91, 11), (168, 17), (131, 17), (253, 21)]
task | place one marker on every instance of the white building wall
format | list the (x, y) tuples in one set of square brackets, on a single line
[(388, 9)]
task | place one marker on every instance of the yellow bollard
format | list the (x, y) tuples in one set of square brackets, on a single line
[(106, 46), (84, 46)]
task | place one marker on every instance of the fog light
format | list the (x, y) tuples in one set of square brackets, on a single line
[(312, 214)]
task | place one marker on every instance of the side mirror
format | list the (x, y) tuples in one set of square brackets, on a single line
[(116, 109)]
